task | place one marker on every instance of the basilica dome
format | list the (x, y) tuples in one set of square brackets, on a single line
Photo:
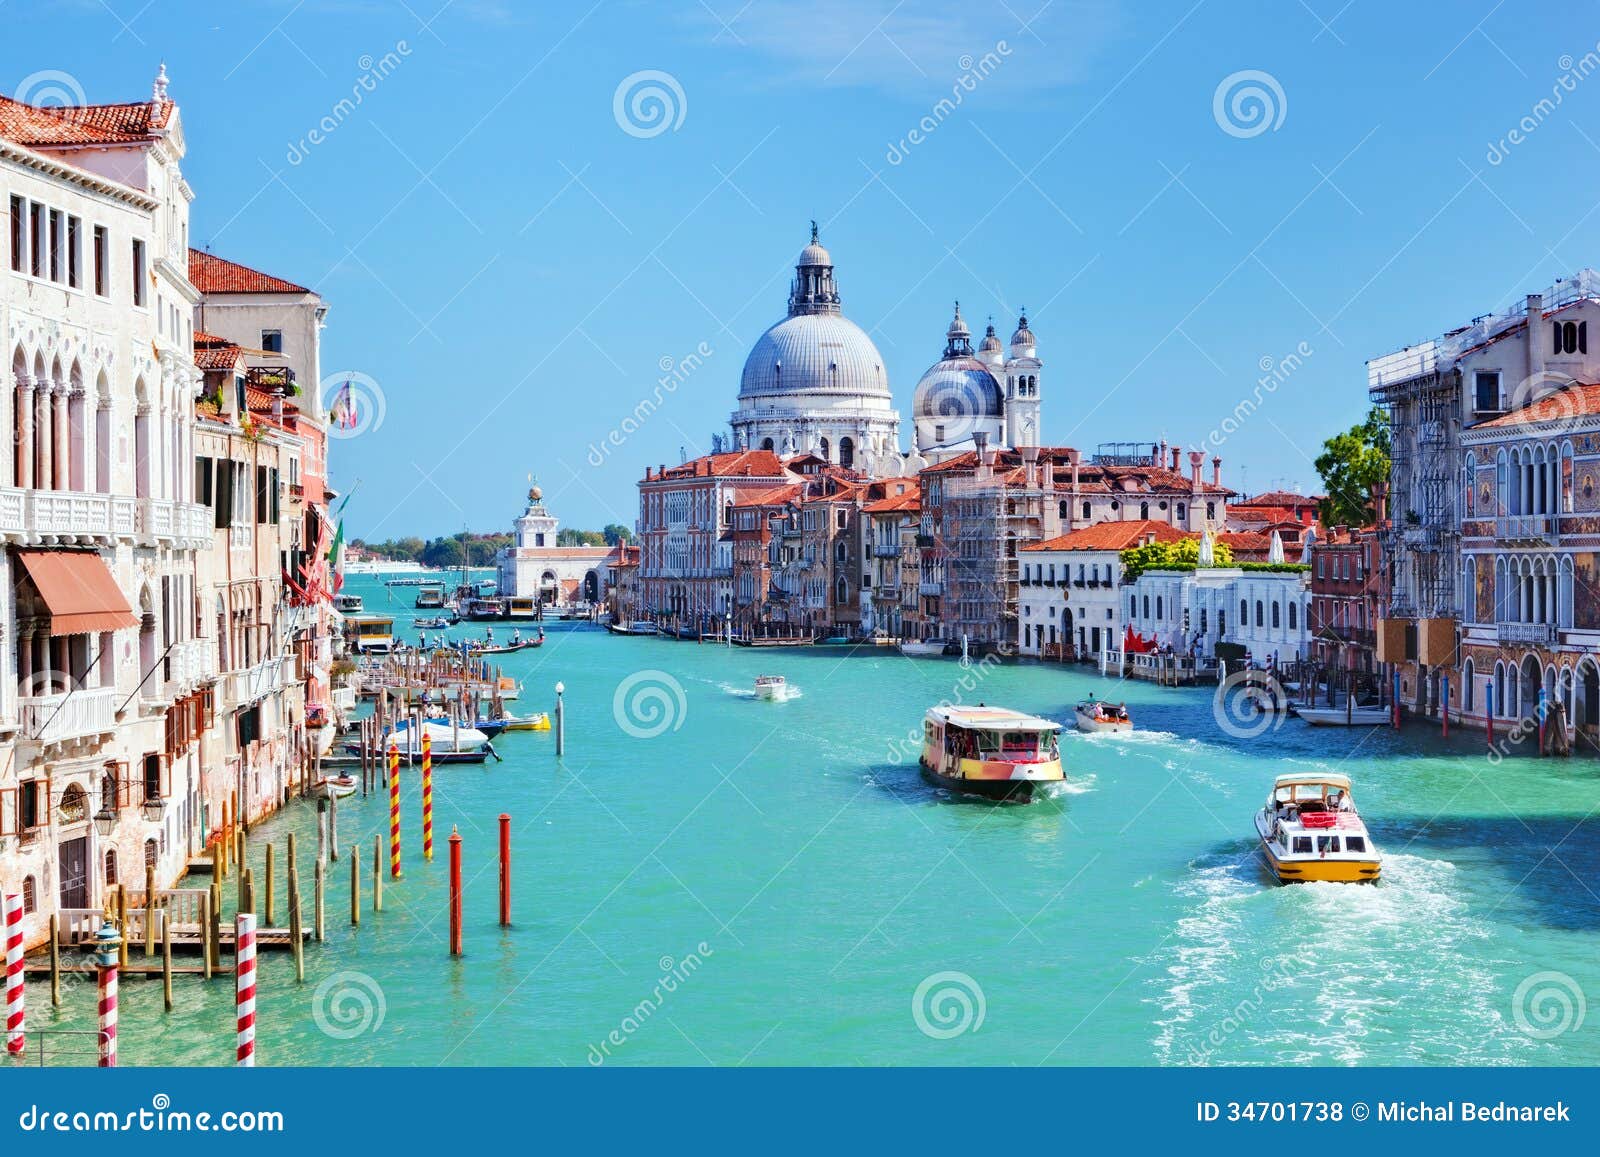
[(959, 385), (814, 353)]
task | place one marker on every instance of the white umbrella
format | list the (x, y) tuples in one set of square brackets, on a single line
[(1275, 551)]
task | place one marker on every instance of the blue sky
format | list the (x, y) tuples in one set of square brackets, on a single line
[(510, 265)]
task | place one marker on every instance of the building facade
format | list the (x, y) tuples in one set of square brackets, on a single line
[(535, 566)]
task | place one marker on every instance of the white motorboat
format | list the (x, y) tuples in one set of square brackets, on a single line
[(1346, 716), (771, 687), (1096, 715), (336, 786), (1310, 831), (923, 648)]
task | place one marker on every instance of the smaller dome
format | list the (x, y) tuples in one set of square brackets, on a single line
[(958, 327), (990, 343), (958, 388), (814, 253), (1023, 338)]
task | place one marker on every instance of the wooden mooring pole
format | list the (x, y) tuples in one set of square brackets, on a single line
[(377, 873), (166, 963), (355, 885), (319, 927), (55, 960), (269, 907)]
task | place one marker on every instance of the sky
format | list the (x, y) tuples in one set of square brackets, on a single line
[(1214, 212)]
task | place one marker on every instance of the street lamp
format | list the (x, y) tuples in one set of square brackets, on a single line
[(105, 821), (154, 808)]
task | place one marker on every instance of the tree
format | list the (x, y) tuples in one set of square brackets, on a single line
[(1351, 464), (1183, 554), (568, 536), (616, 534)]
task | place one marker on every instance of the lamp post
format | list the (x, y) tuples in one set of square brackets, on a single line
[(561, 720), (107, 945)]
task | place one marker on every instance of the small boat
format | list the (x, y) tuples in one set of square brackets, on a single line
[(1310, 831), (437, 623), (771, 687), (430, 597), (1346, 716), (924, 648), (637, 627), (335, 786), (1095, 715), (512, 648), (990, 751), (347, 604), (536, 722)]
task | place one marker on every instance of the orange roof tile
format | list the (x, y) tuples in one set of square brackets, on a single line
[(212, 274), (739, 464), (1577, 400), (91, 124), (1115, 536)]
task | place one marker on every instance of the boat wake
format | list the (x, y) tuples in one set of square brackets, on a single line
[(1343, 974), (1080, 785), (792, 692)]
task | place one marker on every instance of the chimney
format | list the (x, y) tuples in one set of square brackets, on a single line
[(980, 440), (1175, 455), (649, 474), (1216, 470), (1072, 507), (1196, 458), (1380, 502), (1030, 465), (1155, 454), (1535, 345)]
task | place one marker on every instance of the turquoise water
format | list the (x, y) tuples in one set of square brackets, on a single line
[(788, 873)]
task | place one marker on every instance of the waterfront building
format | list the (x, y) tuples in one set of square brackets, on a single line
[(685, 553), (1233, 612), (536, 566), (1530, 540), (1498, 364), (1070, 588), (1347, 598), (889, 600), (980, 508), (102, 698)]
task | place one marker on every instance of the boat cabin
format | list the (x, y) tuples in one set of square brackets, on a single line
[(1316, 816), (991, 734), (370, 634), (347, 604), (430, 596)]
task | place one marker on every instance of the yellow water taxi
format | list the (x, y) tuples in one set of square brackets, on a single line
[(1310, 831), (990, 751)]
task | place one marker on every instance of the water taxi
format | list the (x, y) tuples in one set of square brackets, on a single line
[(924, 648), (347, 604), (370, 634), (1310, 831), (1094, 715), (1347, 716), (771, 687), (990, 751)]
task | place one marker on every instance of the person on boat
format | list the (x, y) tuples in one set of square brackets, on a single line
[(488, 636), (1122, 712), (516, 637), (424, 640)]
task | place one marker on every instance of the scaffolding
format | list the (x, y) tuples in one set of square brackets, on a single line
[(980, 560), (1423, 537)]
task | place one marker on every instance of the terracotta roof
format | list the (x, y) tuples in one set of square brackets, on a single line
[(1144, 478), (1115, 536), (739, 464), (90, 124), (1280, 498), (1245, 543), (896, 503), (773, 497), (1574, 401), (567, 552), (212, 274)]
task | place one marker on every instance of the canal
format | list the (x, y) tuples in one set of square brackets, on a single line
[(711, 879)]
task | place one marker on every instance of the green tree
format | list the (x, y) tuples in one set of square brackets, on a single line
[(1351, 464), (571, 537), (1183, 554), (616, 534)]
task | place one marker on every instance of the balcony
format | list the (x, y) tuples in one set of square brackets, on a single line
[(1542, 633), (64, 516), (930, 588), (74, 715), (184, 524), (253, 684), (1525, 528), (882, 550)]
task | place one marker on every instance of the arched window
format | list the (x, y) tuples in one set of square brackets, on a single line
[(1292, 616), (74, 805), (1144, 510), (1061, 510), (1183, 512), (30, 896), (1468, 685), (1275, 617), (847, 453), (1211, 511), (766, 444), (1244, 613), (823, 449), (841, 590), (150, 853), (1147, 606), (111, 867), (1086, 510), (1158, 606), (1260, 618)]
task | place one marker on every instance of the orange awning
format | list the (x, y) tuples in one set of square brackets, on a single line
[(78, 589)]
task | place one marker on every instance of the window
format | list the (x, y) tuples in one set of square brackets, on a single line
[(111, 867), (1355, 843), (1276, 616), (1244, 612), (938, 434), (139, 272), (1292, 617), (1319, 566), (1158, 606), (1569, 337), (272, 341), (57, 226), (1259, 616), (30, 896), (1486, 390), (1302, 845), (36, 239), (1211, 510), (75, 252), (1086, 510), (1183, 512), (19, 233), (102, 258)]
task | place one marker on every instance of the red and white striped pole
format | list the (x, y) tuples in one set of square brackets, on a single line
[(16, 1028), (427, 797), (107, 952), (244, 948), (394, 811)]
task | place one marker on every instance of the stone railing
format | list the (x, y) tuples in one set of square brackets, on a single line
[(49, 718), (1525, 632), (186, 523), (64, 515), (257, 682)]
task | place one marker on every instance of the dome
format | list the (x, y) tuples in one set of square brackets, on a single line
[(990, 343), (814, 353), (1023, 342), (814, 253), (959, 387), (958, 331)]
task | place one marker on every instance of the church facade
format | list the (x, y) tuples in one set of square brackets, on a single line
[(535, 567)]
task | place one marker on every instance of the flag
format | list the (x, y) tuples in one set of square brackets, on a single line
[(344, 407), (336, 558)]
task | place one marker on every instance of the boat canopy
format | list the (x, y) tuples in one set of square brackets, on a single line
[(992, 719), (1330, 778)]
